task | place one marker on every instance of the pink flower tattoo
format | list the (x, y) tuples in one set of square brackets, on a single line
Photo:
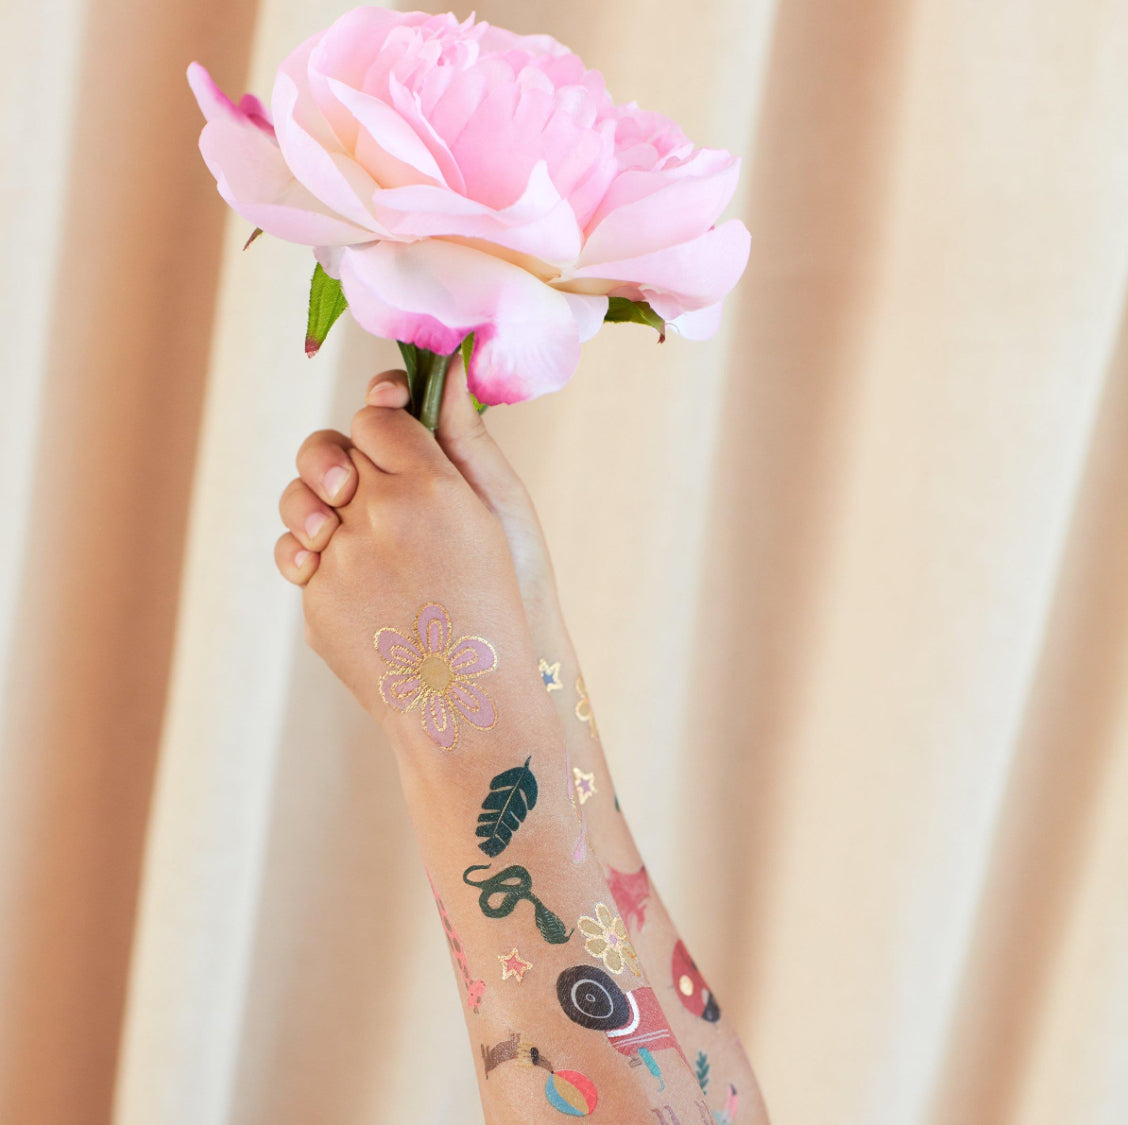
[(435, 674)]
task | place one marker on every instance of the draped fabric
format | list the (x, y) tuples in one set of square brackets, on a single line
[(848, 581)]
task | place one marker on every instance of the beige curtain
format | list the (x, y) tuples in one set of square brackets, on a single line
[(883, 517)]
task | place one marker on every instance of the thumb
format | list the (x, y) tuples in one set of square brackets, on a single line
[(465, 440)]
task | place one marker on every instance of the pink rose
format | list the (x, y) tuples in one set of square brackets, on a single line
[(459, 178)]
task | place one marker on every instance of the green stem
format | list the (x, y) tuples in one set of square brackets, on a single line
[(432, 376)]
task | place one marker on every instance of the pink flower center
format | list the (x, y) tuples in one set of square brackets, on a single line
[(435, 673)]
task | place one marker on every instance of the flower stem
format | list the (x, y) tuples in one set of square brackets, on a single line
[(432, 377)]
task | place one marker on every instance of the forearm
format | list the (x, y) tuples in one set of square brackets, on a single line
[(708, 1038), (559, 1009)]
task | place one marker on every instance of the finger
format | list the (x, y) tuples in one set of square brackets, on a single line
[(389, 436), (294, 562), (323, 463), (310, 519), (389, 388), (463, 437)]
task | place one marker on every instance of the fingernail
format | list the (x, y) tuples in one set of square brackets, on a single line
[(314, 524), (335, 481), (388, 393), (301, 558)]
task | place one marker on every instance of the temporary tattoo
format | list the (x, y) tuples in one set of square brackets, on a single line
[(550, 675), (644, 1057), (692, 990), (475, 989), (512, 794), (607, 939), (512, 965), (514, 1049), (583, 708), (647, 1026), (579, 850), (631, 1020), (666, 1115), (592, 999), (631, 893), (701, 1069), (513, 884), (617, 809), (435, 674), (585, 784), (571, 1092), (727, 1115)]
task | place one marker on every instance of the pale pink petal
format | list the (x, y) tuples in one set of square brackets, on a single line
[(589, 312), (311, 148), (677, 211), (253, 178), (433, 293), (685, 277), (439, 722), (409, 105), (471, 656), (540, 223), (401, 690), (386, 134), (472, 703), (701, 324), (433, 628), (397, 649)]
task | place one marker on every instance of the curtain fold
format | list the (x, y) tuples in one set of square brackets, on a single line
[(880, 519)]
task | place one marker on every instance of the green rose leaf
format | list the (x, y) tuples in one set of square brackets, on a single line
[(622, 311), (326, 303), (467, 352)]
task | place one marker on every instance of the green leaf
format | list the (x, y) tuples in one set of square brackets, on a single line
[(622, 311), (467, 352), (512, 794), (326, 303)]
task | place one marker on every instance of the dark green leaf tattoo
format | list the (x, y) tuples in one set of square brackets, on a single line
[(512, 794), (702, 1070), (326, 303), (513, 884)]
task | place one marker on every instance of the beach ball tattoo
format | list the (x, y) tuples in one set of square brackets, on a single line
[(572, 1093), (435, 674)]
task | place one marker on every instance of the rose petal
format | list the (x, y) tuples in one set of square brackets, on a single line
[(472, 703), (311, 148), (397, 649), (540, 223), (401, 690), (433, 293), (674, 211), (701, 324), (685, 277), (388, 135), (471, 656), (254, 179), (439, 722), (432, 626)]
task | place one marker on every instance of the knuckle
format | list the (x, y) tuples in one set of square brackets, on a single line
[(317, 440)]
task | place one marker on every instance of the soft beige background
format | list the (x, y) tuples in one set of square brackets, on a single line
[(883, 519)]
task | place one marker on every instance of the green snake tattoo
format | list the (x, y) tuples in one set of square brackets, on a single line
[(513, 884)]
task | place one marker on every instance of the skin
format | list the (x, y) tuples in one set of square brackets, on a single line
[(382, 522)]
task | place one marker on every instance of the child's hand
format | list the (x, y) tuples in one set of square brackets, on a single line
[(382, 523)]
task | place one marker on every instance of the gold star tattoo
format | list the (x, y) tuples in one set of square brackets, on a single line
[(585, 784), (550, 675), (513, 965)]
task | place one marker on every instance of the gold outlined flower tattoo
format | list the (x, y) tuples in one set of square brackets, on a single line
[(435, 674), (608, 941)]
